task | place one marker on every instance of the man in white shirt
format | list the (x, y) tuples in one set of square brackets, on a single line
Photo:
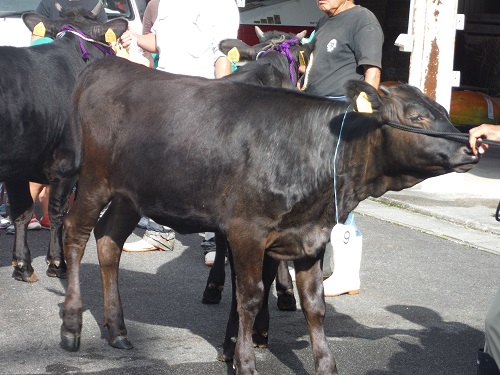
[(187, 36)]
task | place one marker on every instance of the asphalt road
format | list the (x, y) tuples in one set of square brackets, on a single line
[(420, 311)]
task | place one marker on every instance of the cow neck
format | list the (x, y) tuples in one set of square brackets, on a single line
[(283, 48), (335, 166), (103, 47)]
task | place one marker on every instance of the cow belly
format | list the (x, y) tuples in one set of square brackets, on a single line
[(292, 245)]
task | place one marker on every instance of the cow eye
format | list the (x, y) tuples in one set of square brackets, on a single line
[(416, 118)]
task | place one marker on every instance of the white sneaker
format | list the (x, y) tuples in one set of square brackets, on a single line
[(139, 246), (4, 222), (210, 258), (34, 224)]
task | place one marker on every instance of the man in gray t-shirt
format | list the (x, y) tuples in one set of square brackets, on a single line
[(348, 45)]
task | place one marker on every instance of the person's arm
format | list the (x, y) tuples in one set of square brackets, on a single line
[(486, 131), (223, 67), (226, 27), (147, 42), (372, 75)]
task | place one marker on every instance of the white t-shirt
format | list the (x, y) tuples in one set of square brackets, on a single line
[(188, 34)]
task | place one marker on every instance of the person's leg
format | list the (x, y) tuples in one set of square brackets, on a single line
[(35, 189), (44, 202), (346, 264), (208, 246), (3, 206), (156, 237), (489, 359)]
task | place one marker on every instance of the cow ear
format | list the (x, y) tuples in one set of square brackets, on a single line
[(32, 20), (118, 25), (354, 90), (305, 51), (247, 53)]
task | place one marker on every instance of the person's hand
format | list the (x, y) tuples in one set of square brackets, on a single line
[(484, 131), (127, 37)]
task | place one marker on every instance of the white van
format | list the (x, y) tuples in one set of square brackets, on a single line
[(13, 31)]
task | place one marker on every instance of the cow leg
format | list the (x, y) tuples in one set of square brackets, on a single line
[(248, 258), (233, 321), (60, 190), (21, 209), (261, 324), (111, 232), (309, 276), (78, 224), (284, 288), (217, 274)]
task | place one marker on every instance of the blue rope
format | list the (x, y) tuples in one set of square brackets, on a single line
[(335, 167)]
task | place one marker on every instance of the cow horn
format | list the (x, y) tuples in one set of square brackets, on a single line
[(259, 32), (97, 9), (384, 89), (301, 35)]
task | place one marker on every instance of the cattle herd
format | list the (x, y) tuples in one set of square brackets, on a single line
[(270, 156)]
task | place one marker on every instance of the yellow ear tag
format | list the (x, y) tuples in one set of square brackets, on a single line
[(234, 54), (39, 29), (302, 61), (363, 104), (110, 36)]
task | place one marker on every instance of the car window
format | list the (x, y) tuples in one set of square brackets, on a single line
[(114, 8), (118, 8), (17, 7), (13, 31)]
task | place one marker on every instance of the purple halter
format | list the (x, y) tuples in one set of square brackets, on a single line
[(284, 49), (81, 36)]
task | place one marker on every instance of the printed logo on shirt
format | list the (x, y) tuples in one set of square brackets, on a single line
[(331, 45)]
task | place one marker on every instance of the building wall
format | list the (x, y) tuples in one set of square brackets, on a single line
[(393, 17), (477, 54)]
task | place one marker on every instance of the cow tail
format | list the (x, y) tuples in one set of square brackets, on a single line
[(75, 124)]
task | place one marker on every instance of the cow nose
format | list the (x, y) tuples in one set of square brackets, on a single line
[(468, 151)]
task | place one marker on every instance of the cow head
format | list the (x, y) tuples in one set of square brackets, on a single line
[(80, 19), (268, 40), (420, 155)]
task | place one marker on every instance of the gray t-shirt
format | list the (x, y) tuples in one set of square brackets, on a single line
[(343, 43)]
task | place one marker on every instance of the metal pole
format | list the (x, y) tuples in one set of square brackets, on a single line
[(433, 25)]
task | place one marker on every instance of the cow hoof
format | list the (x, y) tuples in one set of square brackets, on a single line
[(212, 294), (59, 272), (24, 275), (260, 340), (286, 301), (121, 342), (69, 341), (222, 357)]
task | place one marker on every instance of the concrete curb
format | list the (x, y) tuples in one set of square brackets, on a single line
[(481, 217), (470, 233)]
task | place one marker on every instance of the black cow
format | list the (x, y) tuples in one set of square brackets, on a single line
[(277, 66), (273, 62), (36, 87), (268, 156)]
